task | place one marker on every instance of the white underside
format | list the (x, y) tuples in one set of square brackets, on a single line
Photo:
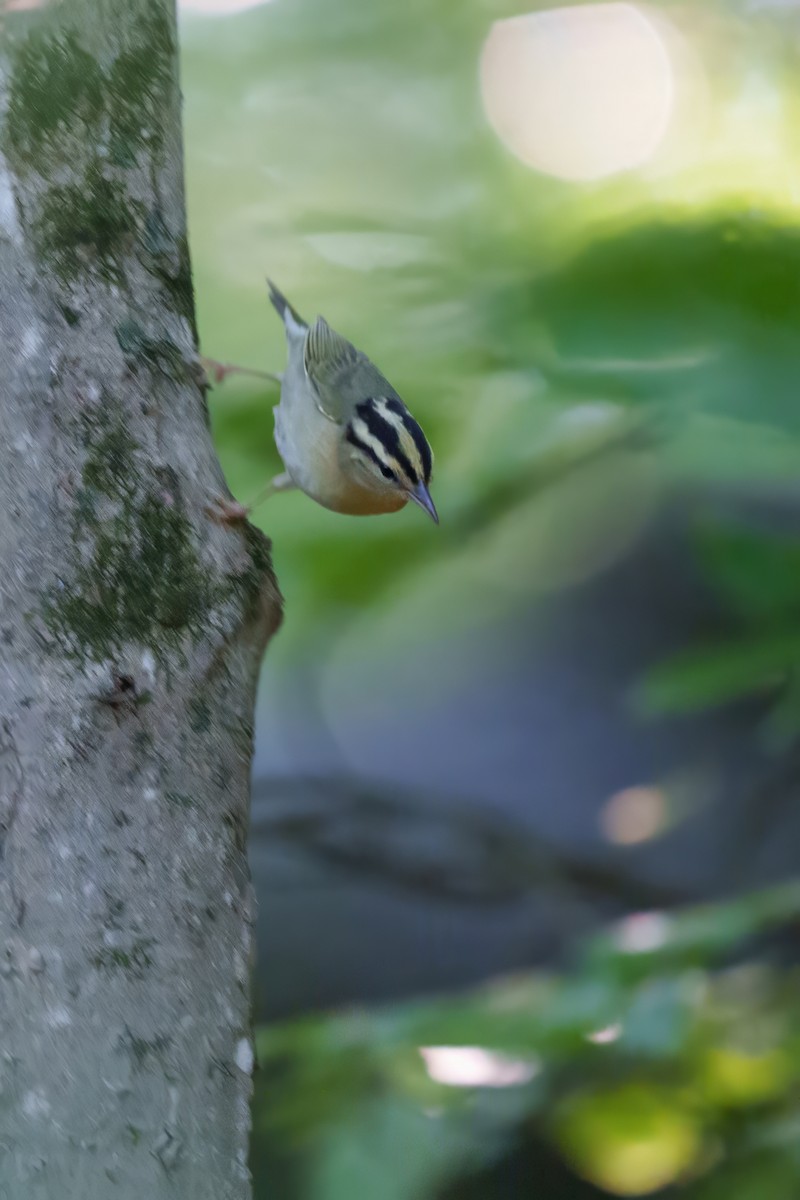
[(313, 447), (308, 443)]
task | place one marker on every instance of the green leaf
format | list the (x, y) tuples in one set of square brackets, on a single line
[(390, 1150), (712, 675), (765, 1176), (758, 572), (657, 1022)]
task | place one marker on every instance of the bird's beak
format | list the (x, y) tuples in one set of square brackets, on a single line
[(421, 496)]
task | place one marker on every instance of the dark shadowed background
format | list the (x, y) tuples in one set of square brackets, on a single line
[(548, 749)]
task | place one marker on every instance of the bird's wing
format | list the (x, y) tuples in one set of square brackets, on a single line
[(342, 376)]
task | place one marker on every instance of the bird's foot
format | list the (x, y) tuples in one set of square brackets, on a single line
[(227, 512), (218, 372), (215, 372)]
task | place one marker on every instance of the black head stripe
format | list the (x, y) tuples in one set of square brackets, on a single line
[(388, 435), (366, 449), (420, 441)]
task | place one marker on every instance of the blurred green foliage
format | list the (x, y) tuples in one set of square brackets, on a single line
[(342, 149), (664, 1055), (577, 353)]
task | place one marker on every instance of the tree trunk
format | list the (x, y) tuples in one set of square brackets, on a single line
[(131, 632)]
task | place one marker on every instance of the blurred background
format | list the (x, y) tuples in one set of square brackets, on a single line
[(525, 831)]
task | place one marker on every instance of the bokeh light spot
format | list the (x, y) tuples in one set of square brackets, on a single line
[(606, 1036), (218, 8), (472, 1066), (579, 93), (634, 815), (641, 933)]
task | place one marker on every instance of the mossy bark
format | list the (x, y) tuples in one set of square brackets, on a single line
[(125, 907)]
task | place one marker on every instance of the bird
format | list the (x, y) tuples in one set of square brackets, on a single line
[(345, 437)]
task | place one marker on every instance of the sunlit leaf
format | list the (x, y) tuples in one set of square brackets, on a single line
[(631, 1140), (734, 1079)]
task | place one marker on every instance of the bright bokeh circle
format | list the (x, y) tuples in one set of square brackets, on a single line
[(578, 93)]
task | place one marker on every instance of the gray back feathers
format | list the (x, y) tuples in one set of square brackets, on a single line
[(342, 376), (350, 390)]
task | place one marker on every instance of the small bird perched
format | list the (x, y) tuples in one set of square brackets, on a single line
[(346, 438)]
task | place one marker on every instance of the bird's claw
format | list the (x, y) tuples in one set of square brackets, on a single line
[(227, 512), (216, 372)]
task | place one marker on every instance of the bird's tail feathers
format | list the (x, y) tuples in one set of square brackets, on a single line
[(287, 314)]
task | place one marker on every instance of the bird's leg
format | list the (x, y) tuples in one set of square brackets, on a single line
[(230, 511), (281, 483), (217, 372)]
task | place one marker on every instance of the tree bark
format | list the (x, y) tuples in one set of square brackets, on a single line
[(131, 631)]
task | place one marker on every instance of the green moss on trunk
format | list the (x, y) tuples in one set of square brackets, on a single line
[(66, 109), (87, 225), (55, 85), (57, 89), (142, 581)]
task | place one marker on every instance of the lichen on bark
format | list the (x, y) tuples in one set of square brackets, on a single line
[(58, 91), (131, 632)]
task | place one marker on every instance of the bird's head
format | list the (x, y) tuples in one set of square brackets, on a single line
[(389, 452)]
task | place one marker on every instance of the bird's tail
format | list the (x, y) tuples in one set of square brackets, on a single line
[(283, 308)]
